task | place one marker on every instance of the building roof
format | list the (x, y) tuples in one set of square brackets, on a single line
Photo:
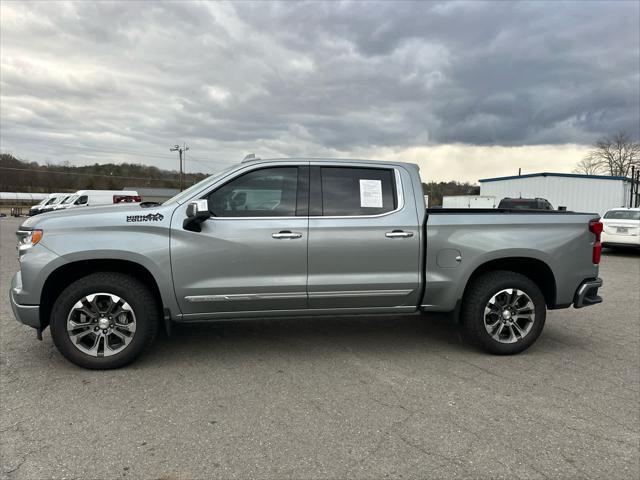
[(22, 196), (551, 174)]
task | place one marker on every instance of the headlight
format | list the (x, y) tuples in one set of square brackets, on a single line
[(27, 239)]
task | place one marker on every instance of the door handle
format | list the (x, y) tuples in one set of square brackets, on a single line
[(398, 234), (286, 234)]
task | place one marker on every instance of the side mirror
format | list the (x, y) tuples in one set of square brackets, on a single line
[(197, 212)]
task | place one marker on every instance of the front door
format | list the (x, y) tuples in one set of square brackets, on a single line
[(364, 239), (251, 255)]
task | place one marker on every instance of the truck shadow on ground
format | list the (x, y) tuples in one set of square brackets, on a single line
[(312, 335)]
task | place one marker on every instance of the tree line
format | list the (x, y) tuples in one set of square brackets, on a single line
[(18, 175), (611, 155), (437, 190)]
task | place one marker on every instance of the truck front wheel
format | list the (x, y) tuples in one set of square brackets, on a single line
[(503, 312), (104, 320)]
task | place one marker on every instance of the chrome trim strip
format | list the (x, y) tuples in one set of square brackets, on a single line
[(343, 311), (244, 296), (360, 293)]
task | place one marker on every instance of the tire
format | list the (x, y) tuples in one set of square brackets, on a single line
[(86, 305), (518, 323)]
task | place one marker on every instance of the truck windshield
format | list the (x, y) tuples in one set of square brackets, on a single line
[(185, 194)]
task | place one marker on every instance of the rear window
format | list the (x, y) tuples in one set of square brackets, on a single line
[(525, 204), (519, 204), (623, 215), (357, 191)]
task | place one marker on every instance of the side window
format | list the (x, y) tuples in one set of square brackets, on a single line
[(350, 191), (82, 200), (269, 192)]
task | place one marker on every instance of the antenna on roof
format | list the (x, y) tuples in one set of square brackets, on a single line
[(250, 157)]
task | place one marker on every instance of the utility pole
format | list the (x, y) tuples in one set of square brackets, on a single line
[(180, 150)]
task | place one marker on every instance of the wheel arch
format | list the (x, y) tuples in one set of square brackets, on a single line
[(64, 275), (536, 270)]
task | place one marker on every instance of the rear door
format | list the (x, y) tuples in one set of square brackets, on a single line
[(251, 255), (364, 239)]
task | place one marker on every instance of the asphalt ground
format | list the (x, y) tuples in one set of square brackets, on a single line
[(298, 398)]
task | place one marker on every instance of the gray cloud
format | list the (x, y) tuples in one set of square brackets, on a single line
[(91, 80)]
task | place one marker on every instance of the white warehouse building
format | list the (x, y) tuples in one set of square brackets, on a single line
[(577, 192)]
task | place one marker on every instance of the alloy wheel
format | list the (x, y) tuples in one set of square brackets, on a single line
[(101, 324), (509, 315)]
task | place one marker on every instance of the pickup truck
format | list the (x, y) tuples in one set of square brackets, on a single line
[(293, 237)]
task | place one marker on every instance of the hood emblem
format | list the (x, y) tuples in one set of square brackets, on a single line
[(150, 217)]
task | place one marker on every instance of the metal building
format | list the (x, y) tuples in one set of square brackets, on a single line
[(19, 202), (469, 201), (577, 192)]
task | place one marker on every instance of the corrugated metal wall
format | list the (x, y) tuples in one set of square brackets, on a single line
[(577, 194)]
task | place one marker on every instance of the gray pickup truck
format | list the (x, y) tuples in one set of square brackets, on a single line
[(297, 237)]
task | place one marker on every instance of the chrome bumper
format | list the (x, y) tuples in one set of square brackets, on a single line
[(587, 293)]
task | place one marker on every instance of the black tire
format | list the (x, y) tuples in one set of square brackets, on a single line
[(480, 292), (141, 301)]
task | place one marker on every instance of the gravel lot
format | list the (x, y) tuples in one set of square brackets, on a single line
[(332, 398)]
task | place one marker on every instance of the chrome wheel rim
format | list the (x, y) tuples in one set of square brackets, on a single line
[(509, 315), (101, 324)]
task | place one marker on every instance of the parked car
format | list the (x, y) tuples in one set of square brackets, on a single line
[(621, 228), (66, 203), (89, 198), (50, 200), (54, 205), (525, 204), (322, 237)]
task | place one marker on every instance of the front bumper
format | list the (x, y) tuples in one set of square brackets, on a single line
[(27, 314), (587, 293)]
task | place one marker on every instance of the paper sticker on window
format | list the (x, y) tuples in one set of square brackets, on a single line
[(371, 193)]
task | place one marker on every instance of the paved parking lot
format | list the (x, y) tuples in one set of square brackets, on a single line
[(397, 397)]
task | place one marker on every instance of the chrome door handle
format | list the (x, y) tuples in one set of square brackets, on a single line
[(398, 234), (286, 234)]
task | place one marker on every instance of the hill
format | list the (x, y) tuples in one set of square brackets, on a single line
[(18, 175)]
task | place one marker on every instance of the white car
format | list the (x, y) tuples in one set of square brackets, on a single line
[(621, 228)]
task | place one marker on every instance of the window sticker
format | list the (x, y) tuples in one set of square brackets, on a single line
[(371, 193)]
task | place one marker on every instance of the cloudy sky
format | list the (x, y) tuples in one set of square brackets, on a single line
[(466, 89)]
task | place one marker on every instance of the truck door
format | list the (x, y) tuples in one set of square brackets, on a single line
[(251, 256), (364, 238)]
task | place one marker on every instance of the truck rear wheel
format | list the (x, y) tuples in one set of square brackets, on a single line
[(104, 320), (503, 312)]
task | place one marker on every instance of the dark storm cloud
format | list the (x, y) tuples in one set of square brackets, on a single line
[(294, 78)]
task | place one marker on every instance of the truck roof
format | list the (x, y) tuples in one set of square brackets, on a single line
[(327, 160)]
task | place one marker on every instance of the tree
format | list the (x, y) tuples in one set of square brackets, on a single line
[(614, 155), (588, 166)]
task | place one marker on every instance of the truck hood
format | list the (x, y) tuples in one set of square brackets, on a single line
[(100, 216)]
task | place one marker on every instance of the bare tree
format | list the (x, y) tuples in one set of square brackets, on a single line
[(588, 166), (614, 155)]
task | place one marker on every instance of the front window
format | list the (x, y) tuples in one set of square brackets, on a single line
[(70, 199), (268, 192), (622, 215)]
